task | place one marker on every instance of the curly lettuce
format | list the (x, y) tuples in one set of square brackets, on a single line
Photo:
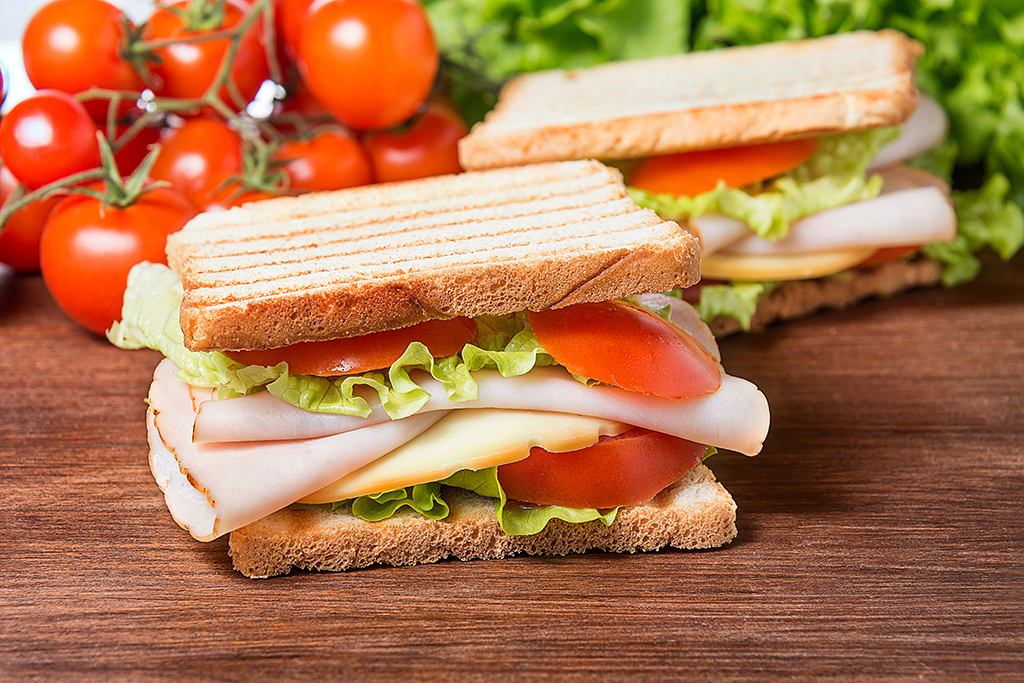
[(984, 219), (150, 320), (736, 300), (484, 42), (516, 520), (425, 499)]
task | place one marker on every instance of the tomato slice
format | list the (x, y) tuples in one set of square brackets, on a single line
[(887, 254), (691, 173), (367, 352), (628, 347), (632, 467)]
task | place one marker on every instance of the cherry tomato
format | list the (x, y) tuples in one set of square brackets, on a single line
[(691, 173), (428, 147), (197, 157), (19, 238), (627, 347), (368, 352), (332, 160), (632, 467), (86, 253), (47, 137), (135, 150), (74, 45), (887, 254), (186, 70), (371, 62), (289, 18)]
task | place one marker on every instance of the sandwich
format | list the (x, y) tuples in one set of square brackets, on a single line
[(467, 366), (790, 162)]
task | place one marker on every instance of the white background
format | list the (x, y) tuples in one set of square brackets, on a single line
[(14, 15)]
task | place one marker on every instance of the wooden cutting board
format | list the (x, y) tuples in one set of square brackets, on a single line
[(881, 531)]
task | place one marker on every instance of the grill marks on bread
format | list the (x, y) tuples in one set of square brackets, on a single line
[(380, 257)]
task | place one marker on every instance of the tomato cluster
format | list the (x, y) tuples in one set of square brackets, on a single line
[(233, 106)]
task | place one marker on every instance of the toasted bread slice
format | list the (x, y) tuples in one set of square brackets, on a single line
[(379, 257), (702, 100), (695, 512), (790, 300)]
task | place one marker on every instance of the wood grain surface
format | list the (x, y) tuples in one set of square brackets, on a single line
[(880, 532)]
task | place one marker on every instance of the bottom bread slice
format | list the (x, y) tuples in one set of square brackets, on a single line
[(695, 512), (802, 297)]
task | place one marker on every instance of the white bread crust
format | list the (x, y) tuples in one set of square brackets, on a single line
[(352, 262), (703, 100), (695, 512)]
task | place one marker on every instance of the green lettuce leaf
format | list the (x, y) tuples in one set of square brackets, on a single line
[(513, 519), (831, 177), (484, 42), (522, 521), (985, 219), (737, 300), (150, 320), (744, 22), (423, 498), (939, 160), (506, 344)]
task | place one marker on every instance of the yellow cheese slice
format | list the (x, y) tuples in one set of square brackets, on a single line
[(719, 266), (470, 439)]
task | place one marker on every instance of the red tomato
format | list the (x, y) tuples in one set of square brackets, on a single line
[(691, 173), (371, 62), (19, 238), (186, 70), (289, 18), (47, 137), (887, 254), (369, 352), (135, 150), (332, 160), (632, 467), (86, 254), (428, 147), (627, 347), (196, 158), (74, 45)]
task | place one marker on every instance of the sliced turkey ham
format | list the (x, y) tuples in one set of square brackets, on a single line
[(910, 217), (926, 128), (212, 489), (716, 232), (735, 417)]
